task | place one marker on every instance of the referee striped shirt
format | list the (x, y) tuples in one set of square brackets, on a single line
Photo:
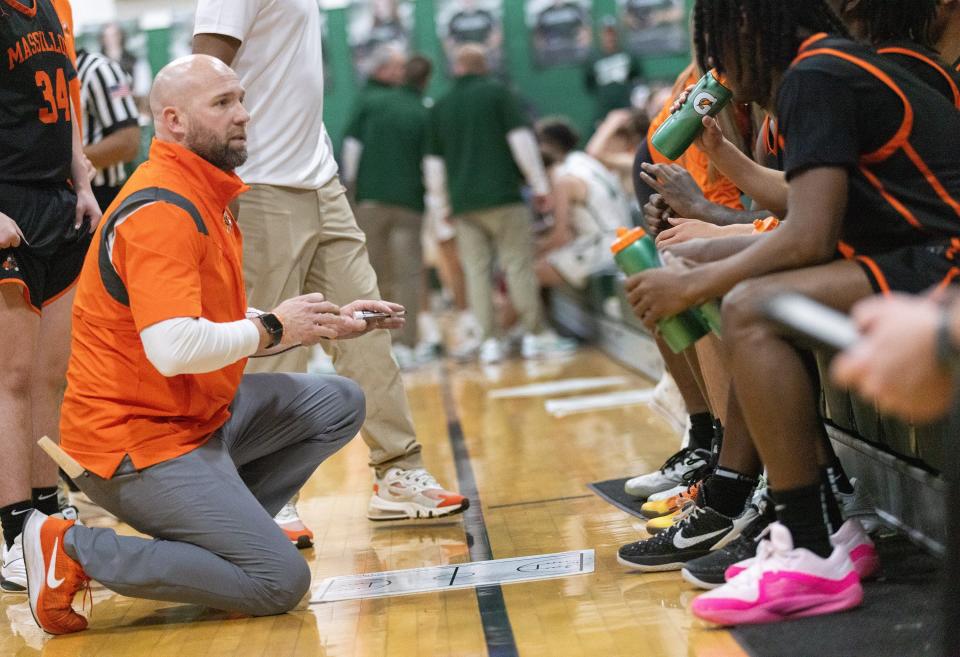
[(107, 106)]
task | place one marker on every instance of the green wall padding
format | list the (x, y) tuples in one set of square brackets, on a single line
[(549, 91)]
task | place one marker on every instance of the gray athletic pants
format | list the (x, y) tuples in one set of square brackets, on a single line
[(211, 510)]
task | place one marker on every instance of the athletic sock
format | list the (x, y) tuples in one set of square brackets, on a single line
[(701, 431), (12, 517), (45, 500), (838, 478), (726, 491), (803, 512), (831, 506), (717, 443)]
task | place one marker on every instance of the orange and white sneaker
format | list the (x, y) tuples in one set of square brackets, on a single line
[(657, 525), (407, 494), (53, 577), (669, 506), (289, 521)]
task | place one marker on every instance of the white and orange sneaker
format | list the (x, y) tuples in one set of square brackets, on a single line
[(53, 577), (783, 582), (852, 536), (13, 574), (289, 521), (407, 494)]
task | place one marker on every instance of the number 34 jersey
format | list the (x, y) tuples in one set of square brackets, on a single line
[(36, 127)]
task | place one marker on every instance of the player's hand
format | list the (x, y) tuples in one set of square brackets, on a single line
[(10, 233), (684, 230), (681, 99), (696, 250), (557, 237), (358, 327), (656, 294), (712, 137), (656, 214), (616, 119), (307, 319), (895, 364), (677, 187), (543, 203), (87, 208)]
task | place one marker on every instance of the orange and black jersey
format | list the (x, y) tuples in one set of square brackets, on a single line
[(926, 65), (842, 105), (36, 128), (919, 61)]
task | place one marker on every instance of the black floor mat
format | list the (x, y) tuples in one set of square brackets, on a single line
[(900, 616), (612, 491)]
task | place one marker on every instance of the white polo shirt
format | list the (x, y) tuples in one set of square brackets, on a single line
[(280, 64)]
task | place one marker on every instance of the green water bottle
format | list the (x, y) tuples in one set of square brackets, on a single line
[(634, 251), (708, 97), (710, 314)]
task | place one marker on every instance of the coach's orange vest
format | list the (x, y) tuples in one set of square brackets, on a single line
[(167, 247)]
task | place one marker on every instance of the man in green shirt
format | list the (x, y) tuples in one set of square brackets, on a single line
[(481, 145), (611, 73), (383, 154)]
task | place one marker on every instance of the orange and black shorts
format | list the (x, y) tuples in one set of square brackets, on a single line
[(911, 269), (48, 262)]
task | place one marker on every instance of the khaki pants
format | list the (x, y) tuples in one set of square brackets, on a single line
[(503, 233), (393, 241), (298, 241)]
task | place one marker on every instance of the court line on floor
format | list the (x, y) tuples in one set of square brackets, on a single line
[(570, 405), (557, 387), (547, 501), (497, 630)]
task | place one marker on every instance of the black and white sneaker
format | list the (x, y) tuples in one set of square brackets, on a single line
[(672, 473), (695, 536), (707, 572)]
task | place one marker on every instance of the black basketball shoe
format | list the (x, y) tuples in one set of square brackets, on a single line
[(707, 572), (698, 534)]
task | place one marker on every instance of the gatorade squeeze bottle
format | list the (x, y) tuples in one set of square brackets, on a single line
[(635, 252), (707, 98), (710, 313)]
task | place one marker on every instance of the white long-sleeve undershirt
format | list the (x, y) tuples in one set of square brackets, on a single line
[(350, 156), (526, 153), (190, 345), (435, 182)]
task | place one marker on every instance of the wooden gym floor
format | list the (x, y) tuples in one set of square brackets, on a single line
[(530, 470)]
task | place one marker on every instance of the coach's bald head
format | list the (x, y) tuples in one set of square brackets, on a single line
[(387, 64), (197, 102), (470, 59)]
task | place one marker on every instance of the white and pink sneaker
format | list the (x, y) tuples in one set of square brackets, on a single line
[(783, 582), (852, 536)]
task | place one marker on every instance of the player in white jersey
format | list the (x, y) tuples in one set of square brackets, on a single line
[(590, 204)]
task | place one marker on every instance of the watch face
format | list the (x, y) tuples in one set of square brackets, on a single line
[(271, 323), (273, 327)]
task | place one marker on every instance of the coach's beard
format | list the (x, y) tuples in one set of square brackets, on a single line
[(216, 150)]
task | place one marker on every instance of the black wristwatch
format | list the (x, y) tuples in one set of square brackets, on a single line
[(948, 355), (274, 328)]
